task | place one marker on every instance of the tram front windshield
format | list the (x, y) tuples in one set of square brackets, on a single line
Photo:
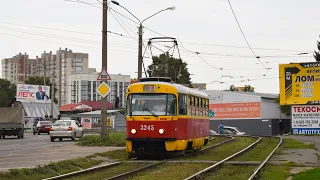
[(152, 104)]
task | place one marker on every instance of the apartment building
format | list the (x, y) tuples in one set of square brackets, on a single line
[(55, 66), (18, 68), (82, 87)]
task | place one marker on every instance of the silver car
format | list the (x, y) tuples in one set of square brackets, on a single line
[(66, 129)]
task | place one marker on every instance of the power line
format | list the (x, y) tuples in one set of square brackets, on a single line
[(63, 30), (244, 47), (123, 24), (78, 1), (98, 48), (60, 37), (258, 57), (120, 24)]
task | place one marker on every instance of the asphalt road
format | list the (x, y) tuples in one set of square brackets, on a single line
[(36, 150)]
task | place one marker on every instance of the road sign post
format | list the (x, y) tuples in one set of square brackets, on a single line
[(103, 89)]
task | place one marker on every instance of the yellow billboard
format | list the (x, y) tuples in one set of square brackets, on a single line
[(299, 83)]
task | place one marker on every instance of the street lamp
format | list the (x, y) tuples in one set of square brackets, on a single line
[(140, 33)]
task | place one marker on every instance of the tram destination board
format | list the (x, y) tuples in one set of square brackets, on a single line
[(299, 83)]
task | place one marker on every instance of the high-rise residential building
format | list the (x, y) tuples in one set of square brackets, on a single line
[(55, 66), (18, 68), (82, 87)]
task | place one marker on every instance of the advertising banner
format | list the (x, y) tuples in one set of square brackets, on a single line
[(246, 110), (95, 123), (305, 119), (33, 93), (299, 83), (86, 123)]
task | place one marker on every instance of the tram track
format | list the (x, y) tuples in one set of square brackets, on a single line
[(255, 174), (134, 160), (217, 165), (215, 168)]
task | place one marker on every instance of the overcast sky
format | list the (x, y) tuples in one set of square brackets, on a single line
[(278, 29)]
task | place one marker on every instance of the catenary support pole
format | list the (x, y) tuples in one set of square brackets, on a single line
[(104, 101)]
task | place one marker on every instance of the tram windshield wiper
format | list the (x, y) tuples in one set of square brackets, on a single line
[(151, 112)]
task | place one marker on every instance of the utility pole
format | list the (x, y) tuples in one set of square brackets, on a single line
[(60, 78), (44, 64), (52, 92), (140, 52), (104, 101)]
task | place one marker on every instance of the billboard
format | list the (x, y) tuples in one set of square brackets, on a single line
[(33, 93), (305, 119), (299, 83), (246, 110)]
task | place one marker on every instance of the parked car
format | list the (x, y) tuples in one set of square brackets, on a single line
[(233, 130), (212, 132), (66, 129), (42, 127)]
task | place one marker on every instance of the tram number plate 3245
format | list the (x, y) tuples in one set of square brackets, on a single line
[(147, 127)]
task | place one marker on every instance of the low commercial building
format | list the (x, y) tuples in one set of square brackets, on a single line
[(82, 87), (254, 113)]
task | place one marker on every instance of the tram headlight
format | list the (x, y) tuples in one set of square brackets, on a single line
[(161, 131), (133, 131)]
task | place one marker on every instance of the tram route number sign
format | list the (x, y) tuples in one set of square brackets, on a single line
[(299, 83), (305, 119)]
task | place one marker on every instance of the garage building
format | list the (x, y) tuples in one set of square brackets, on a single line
[(253, 113)]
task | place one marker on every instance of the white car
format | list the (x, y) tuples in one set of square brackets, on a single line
[(234, 130), (212, 132), (66, 129)]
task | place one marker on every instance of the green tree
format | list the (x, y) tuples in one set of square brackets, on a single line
[(177, 69), (39, 80), (8, 92), (317, 53), (232, 88), (248, 88), (285, 109)]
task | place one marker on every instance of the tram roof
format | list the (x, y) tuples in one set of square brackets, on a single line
[(180, 88)]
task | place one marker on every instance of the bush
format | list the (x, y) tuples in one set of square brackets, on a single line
[(114, 139)]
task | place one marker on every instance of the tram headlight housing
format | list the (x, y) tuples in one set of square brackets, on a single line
[(161, 131), (133, 131)]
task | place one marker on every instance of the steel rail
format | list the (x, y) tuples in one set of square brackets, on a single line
[(210, 168), (134, 172), (83, 171), (257, 170)]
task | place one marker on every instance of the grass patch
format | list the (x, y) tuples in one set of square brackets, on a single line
[(224, 150), (296, 144), (216, 140), (232, 172), (259, 151), (309, 174), (172, 171), (275, 172), (114, 139), (49, 170), (109, 171), (293, 144), (117, 155)]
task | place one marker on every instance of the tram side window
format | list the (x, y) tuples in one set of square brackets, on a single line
[(207, 107), (171, 109), (182, 104), (201, 106)]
